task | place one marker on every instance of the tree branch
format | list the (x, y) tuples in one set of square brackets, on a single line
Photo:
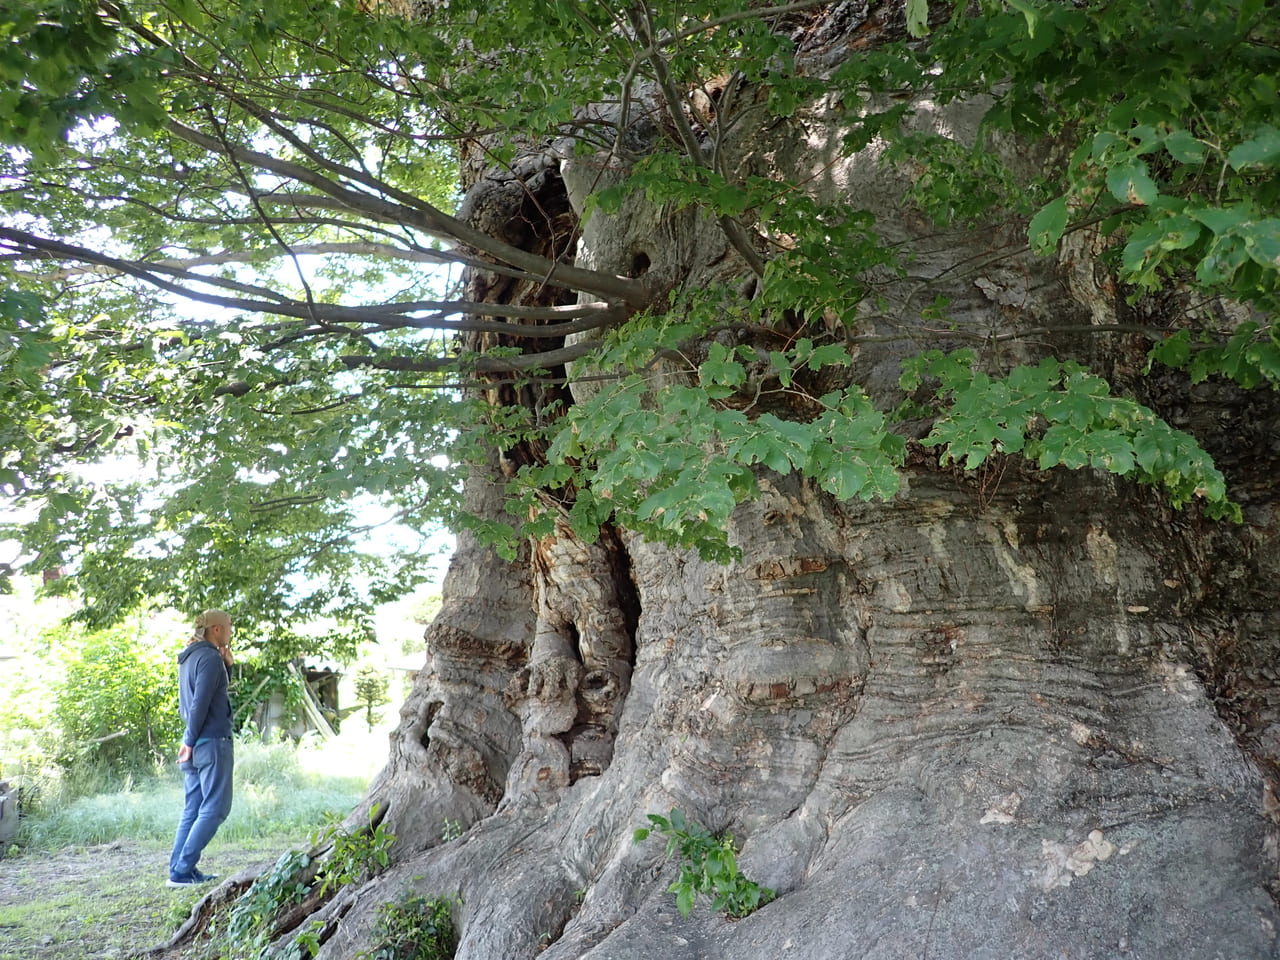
[(480, 363), (365, 249), (383, 316), (641, 23), (426, 218)]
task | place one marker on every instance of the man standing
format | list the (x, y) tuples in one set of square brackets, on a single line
[(205, 757)]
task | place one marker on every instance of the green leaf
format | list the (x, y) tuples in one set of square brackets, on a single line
[(1047, 226), (1262, 241), (1266, 356), (1173, 350), (1131, 183), (1111, 450), (781, 366), (1086, 424), (1028, 11), (1178, 232), (1259, 152), (1147, 451), (730, 198), (720, 368), (1224, 258), (918, 17), (684, 899), (1220, 219), (1184, 147), (831, 354)]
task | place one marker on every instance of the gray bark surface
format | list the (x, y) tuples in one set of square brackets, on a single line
[(941, 728)]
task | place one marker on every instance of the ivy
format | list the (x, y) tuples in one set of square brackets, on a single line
[(245, 933), (354, 855)]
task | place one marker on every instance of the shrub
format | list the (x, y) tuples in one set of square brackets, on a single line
[(708, 865), (415, 929), (116, 706)]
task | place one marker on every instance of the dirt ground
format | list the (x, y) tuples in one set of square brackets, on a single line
[(107, 901)]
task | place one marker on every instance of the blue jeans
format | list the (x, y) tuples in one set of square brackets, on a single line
[(207, 778)]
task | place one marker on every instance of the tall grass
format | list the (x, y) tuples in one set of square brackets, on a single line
[(279, 789)]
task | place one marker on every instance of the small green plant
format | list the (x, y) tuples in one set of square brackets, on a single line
[(357, 855), (708, 865), (416, 928), (250, 921), (306, 942), (451, 830)]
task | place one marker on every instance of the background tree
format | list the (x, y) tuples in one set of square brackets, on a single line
[(99, 704), (815, 404), (371, 693), (117, 706)]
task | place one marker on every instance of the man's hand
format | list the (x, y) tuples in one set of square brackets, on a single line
[(184, 753)]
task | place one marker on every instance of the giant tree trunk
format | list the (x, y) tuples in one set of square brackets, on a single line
[(967, 724), (1011, 714)]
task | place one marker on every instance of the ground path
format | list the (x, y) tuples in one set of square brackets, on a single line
[(106, 902)]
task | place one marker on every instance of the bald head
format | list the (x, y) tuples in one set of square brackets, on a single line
[(215, 626), (211, 618)]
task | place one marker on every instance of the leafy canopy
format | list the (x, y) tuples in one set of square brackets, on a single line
[(230, 266)]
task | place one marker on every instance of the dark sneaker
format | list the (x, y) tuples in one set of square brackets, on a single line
[(184, 880), (204, 877)]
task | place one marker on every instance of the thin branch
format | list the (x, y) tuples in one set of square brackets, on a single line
[(105, 267), (408, 210), (428, 219), (298, 500), (568, 311), (385, 317), (641, 22), (479, 362), (490, 383), (751, 13), (366, 249), (611, 316), (221, 130)]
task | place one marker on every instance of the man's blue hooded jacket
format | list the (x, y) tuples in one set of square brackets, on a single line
[(202, 693)]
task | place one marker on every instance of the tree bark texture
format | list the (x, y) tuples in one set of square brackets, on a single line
[(1010, 713)]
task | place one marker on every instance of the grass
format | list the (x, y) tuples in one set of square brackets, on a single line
[(90, 903), (88, 878), (278, 789)]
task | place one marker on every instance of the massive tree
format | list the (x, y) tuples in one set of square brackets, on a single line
[(858, 419)]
